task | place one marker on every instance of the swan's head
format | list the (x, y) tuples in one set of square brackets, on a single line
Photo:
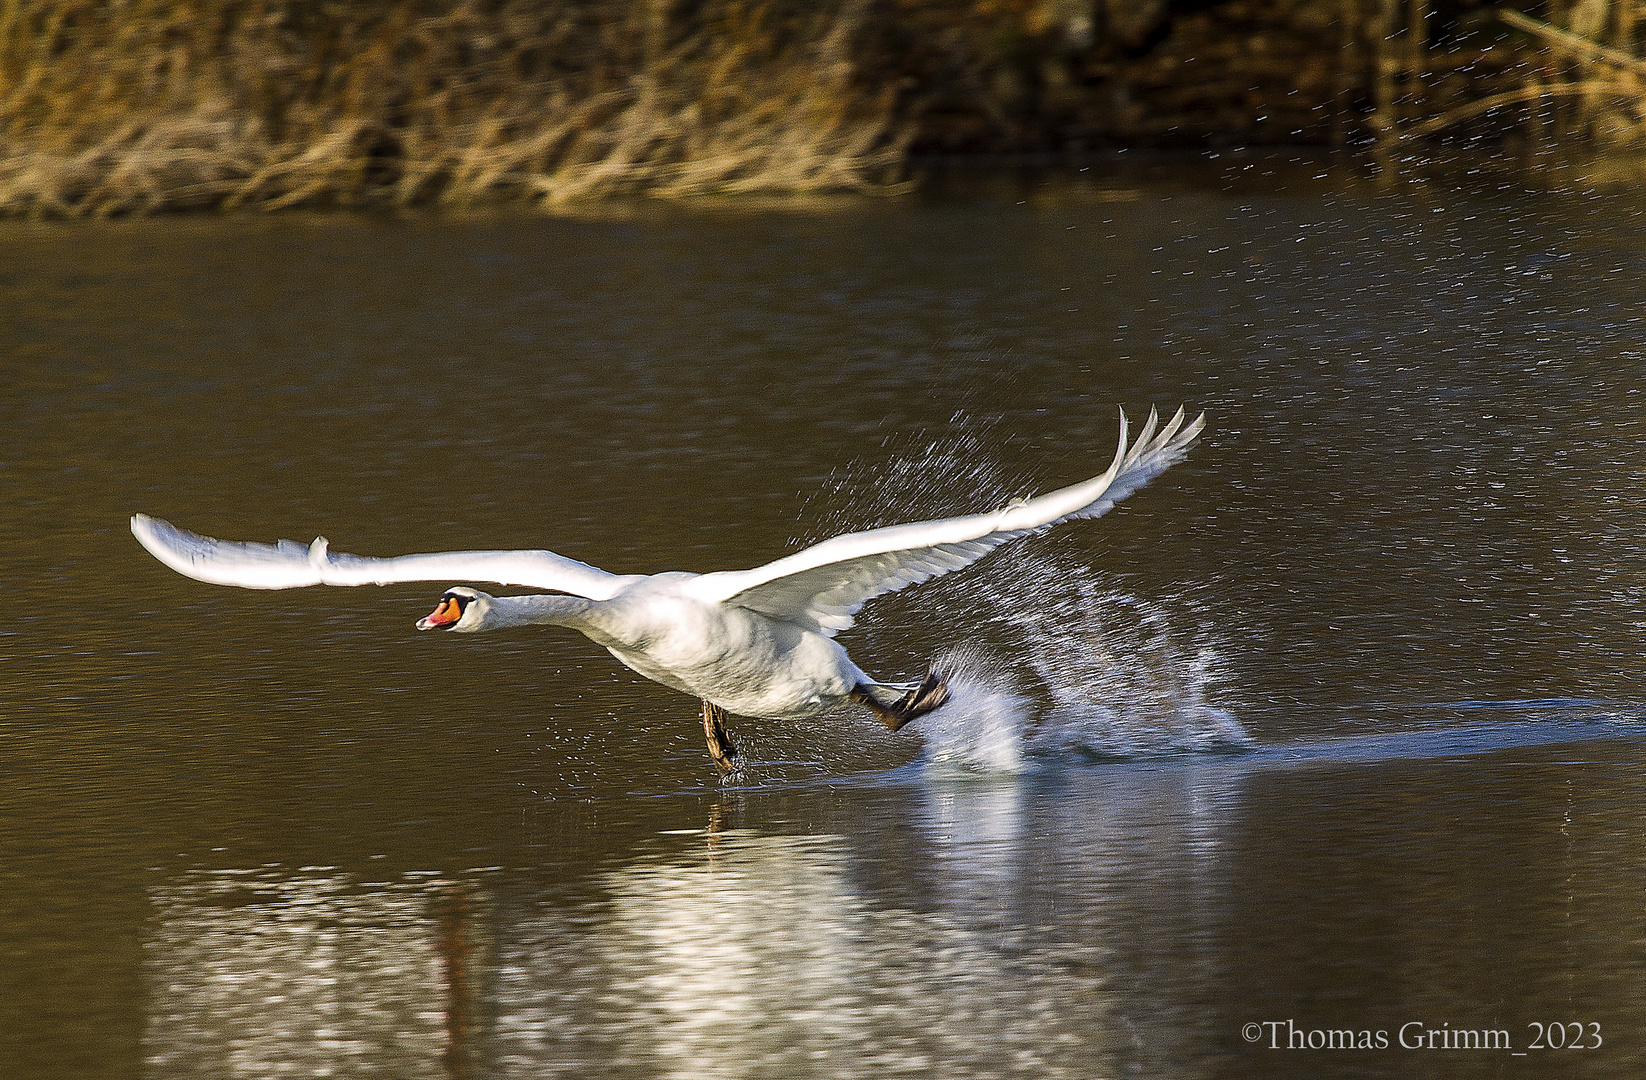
[(461, 608)]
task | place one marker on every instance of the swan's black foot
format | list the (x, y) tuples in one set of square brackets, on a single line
[(721, 747), (932, 692)]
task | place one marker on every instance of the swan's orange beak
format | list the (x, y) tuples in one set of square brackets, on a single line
[(443, 617)]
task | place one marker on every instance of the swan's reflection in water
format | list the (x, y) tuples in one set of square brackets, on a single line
[(279, 973), (981, 929), (762, 961), (984, 939)]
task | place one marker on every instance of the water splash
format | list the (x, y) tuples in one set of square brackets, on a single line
[(1058, 660), (1068, 664), (1124, 675), (981, 726)]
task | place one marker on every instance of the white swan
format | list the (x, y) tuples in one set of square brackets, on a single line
[(753, 642)]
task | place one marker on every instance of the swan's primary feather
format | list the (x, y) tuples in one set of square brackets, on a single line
[(289, 565), (822, 587)]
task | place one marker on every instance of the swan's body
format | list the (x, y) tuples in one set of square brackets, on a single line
[(745, 662), (754, 642)]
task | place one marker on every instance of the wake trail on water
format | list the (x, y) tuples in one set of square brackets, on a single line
[(1053, 660)]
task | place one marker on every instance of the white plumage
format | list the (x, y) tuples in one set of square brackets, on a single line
[(754, 642)]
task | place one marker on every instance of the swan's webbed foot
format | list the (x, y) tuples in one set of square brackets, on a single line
[(916, 702), (721, 747)]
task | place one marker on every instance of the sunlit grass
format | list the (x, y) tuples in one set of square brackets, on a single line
[(134, 107)]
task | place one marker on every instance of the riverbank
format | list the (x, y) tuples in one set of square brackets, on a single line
[(149, 106)]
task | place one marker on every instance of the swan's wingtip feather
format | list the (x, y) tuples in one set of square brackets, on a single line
[(166, 542), (1145, 435), (155, 534), (143, 526), (1172, 425), (1179, 433), (1124, 443), (249, 566)]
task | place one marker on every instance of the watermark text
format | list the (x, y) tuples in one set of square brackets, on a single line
[(1424, 1035)]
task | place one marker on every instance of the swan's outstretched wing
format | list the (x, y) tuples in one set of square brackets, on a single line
[(824, 586), (288, 565)]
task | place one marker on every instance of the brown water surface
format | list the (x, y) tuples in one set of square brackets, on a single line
[(261, 834)]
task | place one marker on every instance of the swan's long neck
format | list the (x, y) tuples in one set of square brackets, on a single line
[(553, 609)]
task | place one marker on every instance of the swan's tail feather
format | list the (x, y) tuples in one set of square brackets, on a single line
[(897, 705)]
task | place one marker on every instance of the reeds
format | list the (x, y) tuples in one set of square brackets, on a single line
[(1579, 79), (1605, 84), (135, 106), (142, 105)]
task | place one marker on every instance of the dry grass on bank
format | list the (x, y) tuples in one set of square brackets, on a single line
[(136, 106), (1578, 81), (142, 105)]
